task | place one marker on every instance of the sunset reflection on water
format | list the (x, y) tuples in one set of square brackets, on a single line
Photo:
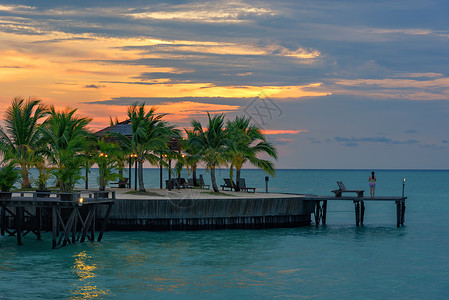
[(85, 271)]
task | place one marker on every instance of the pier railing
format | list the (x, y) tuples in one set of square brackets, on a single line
[(69, 216), (359, 206)]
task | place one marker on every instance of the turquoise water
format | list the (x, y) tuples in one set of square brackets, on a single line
[(338, 261)]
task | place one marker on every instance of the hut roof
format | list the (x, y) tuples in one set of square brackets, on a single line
[(124, 128)]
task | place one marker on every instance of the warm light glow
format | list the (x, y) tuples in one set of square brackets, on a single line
[(85, 287), (282, 131), (80, 201)]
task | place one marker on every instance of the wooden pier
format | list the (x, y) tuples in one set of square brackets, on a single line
[(320, 210), (237, 211), (70, 220)]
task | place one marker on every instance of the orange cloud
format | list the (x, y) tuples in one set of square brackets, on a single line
[(282, 131)]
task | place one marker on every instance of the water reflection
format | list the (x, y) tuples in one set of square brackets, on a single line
[(85, 287)]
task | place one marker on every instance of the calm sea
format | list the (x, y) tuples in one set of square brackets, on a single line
[(337, 261)]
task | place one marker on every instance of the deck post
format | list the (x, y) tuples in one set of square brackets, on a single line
[(357, 212), (105, 222), (19, 225), (317, 213), (54, 226), (403, 212), (362, 212), (38, 222), (398, 213), (323, 212), (3, 221)]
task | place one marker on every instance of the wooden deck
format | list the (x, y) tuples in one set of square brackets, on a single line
[(70, 221), (359, 206)]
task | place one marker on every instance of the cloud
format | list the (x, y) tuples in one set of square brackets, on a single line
[(281, 141), (353, 142), (207, 12), (93, 86), (282, 131)]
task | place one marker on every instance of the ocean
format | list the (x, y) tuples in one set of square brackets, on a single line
[(336, 261)]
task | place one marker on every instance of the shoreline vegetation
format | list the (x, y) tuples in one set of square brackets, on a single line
[(59, 144)]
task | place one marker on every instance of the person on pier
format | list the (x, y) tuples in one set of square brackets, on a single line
[(372, 184)]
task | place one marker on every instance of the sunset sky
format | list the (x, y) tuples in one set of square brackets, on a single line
[(334, 84)]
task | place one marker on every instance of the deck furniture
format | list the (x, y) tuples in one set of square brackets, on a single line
[(199, 183), (243, 186), (228, 184), (342, 189), (121, 183), (176, 183)]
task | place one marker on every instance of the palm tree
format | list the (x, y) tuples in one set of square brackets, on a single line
[(19, 138), (192, 154), (67, 138), (247, 142), (106, 161), (213, 144), (150, 135)]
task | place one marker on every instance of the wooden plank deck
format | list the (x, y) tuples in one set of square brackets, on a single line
[(359, 206), (70, 221)]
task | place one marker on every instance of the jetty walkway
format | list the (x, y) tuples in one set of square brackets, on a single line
[(71, 217), (76, 219)]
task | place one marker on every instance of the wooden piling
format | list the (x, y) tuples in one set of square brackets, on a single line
[(3, 219), (403, 213), (357, 213), (398, 213), (317, 213), (54, 226), (19, 219), (323, 212), (362, 212)]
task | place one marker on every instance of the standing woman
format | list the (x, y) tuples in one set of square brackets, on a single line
[(372, 184)]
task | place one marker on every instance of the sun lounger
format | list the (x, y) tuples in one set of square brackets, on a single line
[(176, 183), (342, 189), (228, 184), (243, 186), (122, 183), (199, 183)]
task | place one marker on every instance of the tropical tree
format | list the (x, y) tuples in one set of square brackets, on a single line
[(192, 154), (248, 142), (213, 143), (67, 139), (107, 163), (19, 138), (150, 135)]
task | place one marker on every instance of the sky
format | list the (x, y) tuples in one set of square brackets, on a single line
[(350, 84)]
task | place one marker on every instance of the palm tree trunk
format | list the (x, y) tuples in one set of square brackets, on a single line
[(237, 180), (195, 182), (25, 179), (140, 170), (212, 178)]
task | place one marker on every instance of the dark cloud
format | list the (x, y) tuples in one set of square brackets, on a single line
[(93, 86), (353, 140), (163, 100)]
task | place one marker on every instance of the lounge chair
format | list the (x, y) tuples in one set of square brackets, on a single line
[(228, 184), (122, 183), (173, 183), (199, 183), (342, 189), (243, 186)]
